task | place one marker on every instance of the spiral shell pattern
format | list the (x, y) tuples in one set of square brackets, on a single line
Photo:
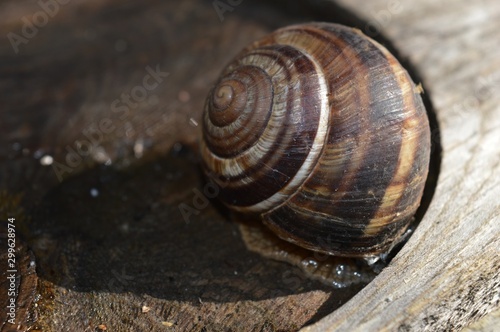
[(319, 130)]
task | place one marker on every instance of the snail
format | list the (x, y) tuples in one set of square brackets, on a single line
[(320, 133)]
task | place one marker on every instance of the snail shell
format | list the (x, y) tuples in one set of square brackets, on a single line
[(321, 132)]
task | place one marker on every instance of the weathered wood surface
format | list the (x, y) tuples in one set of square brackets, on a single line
[(100, 260), (448, 274), (110, 244)]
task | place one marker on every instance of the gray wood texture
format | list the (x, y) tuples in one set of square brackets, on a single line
[(110, 246), (448, 274)]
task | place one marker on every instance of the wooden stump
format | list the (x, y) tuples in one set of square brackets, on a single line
[(112, 248), (448, 274)]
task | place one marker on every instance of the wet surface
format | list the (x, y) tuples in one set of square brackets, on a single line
[(125, 224)]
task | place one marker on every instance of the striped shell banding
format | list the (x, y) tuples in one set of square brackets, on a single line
[(320, 131)]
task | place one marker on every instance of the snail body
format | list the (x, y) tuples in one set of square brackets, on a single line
[(320, 132)]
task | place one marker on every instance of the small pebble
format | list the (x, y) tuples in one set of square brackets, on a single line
[(46, 160), (94, 192), (138, 148)]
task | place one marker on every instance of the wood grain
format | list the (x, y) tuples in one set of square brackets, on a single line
[(99, 261), (111, 247), (448, 274)]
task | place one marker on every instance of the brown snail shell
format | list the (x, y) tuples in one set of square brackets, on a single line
[(321, 132)]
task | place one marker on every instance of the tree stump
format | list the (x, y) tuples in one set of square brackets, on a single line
[(101, 105)]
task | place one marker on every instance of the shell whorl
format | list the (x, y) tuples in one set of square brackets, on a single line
[(321, 131), (251, 141)]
